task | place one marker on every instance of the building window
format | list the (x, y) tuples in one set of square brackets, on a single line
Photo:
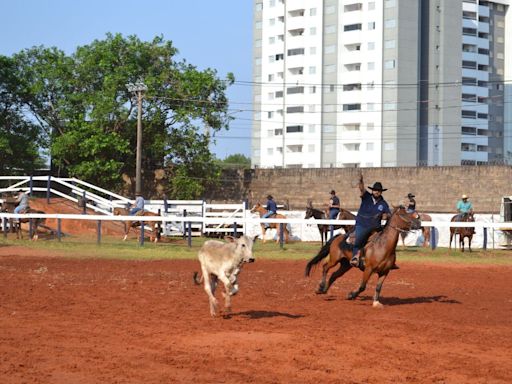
[(278, 132), (312, 71), (352, 27), (329, 148), (312, 31), (311, 147), (469, 31), (280, 56), (371, 66), (330, 29), (371, 25), (468, 64), (294, 90), (330, 68), (352, 87), (257, 25), (271, 77), (371, 5), (294, 129), (391, 23), (369, 146), (312, 12), (330, 49), (311, 128), (370, 126), (389, 3), (259, 7), (312, 50), (351, 147), (330, 10), (352, 107), (468, 114), (270, 114), (295, 51), (353, 7), (389, 44), (389, 64), (296, 109), (270, 151), (371, 45)]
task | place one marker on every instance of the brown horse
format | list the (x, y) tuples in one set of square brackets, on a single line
[(286, 234), (377, 257), (463, 231), (322, 215), (15, 224), (154, 235), (425, 231)]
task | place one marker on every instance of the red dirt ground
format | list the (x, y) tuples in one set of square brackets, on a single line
[(79, 321)]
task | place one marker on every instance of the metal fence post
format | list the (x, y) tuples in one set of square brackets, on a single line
[(31, 185), (485, 238), (59, 231), (98, 233), (141, 239), (4, 220), (189, 234), (281, 235), (331, 230), (234, 229), (433, 238), (48, 186), (185, 224), (84, 201)]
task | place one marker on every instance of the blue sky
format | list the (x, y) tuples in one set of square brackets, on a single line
[(207, 33)]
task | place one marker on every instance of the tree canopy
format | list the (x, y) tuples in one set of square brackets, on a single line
[(81, 111)]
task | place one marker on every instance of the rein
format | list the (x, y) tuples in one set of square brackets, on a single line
[(405, 221)]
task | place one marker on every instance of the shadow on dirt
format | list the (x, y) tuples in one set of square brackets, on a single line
[(265, 314), (390, 301)]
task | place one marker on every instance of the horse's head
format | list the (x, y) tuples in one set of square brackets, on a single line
[(405, 219), (470, 216), (119, 211), (256, 208), (309, 212)]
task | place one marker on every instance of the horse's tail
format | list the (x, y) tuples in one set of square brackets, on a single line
[(324, 251), (198, 279)]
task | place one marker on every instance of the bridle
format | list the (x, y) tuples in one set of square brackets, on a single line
[(405, 220)]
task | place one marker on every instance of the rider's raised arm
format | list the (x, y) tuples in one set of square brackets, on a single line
[(361, 184)]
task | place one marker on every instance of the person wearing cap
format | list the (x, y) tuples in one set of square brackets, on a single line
[(271, 209), (138, 205), (334, 206), (372, 210), (411, 206), (464, 207)]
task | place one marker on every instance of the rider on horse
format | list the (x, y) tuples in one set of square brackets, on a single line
[(271, 209), (334, 206), (464, 208), (138, 206), (22, 201), (372, 210), (411, 204)]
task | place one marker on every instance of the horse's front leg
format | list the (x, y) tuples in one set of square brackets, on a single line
[(376, 302), (126, 229), (263, 233), (461, 243), (366, 276)]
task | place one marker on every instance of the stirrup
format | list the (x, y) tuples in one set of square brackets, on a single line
[(354, 261)]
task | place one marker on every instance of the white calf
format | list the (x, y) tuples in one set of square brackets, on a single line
[(223, 261)]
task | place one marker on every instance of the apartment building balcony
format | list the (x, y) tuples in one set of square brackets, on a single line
[(470, 23), (483, 27), (294, 23), (484, 11)]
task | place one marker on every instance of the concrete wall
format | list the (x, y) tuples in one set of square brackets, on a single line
[(437, 189)]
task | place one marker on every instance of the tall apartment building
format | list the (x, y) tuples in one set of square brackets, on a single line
[(381, 83)]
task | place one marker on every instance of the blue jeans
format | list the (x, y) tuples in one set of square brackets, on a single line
[(135, 210), (333, 213), (362, 234), (268, 214), (19, 208)]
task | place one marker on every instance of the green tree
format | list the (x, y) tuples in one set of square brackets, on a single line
[(19, 140), (236, 160), (88, 116)]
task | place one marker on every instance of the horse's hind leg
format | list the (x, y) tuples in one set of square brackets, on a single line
[(366, 276), (325, 269), (376, 302), (344, 267)]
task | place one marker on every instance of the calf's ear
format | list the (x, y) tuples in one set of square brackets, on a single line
[(230, 239)]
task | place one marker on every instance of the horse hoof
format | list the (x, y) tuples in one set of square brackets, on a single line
[(351, 296), (377, 304), (320, 292)]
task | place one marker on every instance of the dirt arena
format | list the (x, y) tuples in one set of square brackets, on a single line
[(79, 321)]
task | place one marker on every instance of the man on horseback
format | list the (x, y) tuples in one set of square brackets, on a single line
[(138, 206), (372, 210), (411, 205), (271, 209), (464, 207), (334, 206), (22, 201)]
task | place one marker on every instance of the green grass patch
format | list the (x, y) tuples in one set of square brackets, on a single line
[(177, 248)]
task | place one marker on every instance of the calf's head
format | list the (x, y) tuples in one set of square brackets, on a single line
[(243, 247)]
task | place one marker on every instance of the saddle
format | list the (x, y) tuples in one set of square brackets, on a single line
[(139, 213), (348, 244)]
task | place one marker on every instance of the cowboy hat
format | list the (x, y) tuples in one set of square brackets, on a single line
[(377, 187), (464, 197), (410, 195)]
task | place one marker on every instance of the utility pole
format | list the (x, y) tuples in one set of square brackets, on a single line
[(138, 89)]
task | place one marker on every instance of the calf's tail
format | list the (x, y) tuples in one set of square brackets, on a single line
[(324, 251)]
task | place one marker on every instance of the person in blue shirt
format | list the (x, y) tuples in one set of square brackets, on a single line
[(463, 207), (334, 206), (411, 204), (138, 205), (372, 210), (22, 201), (271, 209)]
